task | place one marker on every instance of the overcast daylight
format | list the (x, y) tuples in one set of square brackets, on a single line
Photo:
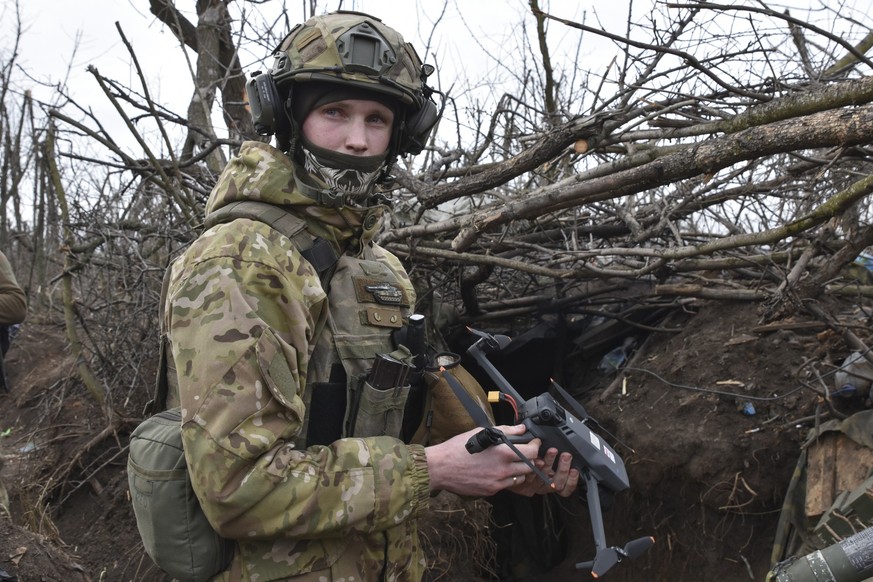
[(471, 48), (436, 290)]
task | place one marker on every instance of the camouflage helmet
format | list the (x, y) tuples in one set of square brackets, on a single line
[(358, 51)]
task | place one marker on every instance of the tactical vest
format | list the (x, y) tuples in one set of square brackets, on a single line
[(368, 299)]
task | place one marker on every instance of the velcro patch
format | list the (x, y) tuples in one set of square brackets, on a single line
[(384, 316), (310, 48), (307, 37), (381, 292)]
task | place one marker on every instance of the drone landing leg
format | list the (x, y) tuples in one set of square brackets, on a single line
[(594, 510), (607, 557)]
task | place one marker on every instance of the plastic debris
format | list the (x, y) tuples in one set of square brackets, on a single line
[(616, 358), (613, 360), (865, 260), (854, 377)]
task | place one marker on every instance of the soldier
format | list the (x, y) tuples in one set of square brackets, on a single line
[(13, 304), (292, 452), (13, 310)]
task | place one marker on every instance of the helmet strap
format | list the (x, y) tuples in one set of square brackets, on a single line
[(287, 141)]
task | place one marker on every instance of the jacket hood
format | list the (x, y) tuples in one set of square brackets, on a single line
[(263, 173)]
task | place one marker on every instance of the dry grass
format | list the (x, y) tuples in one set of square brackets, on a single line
[(456, 540)]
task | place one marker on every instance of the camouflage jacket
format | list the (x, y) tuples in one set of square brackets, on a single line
[(13, 304), (243, 310)]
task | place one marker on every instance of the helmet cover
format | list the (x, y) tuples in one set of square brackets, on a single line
[(352, 48)]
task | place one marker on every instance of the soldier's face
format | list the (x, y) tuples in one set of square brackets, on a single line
[(358, 127)]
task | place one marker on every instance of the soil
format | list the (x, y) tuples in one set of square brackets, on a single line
[(707, 472)]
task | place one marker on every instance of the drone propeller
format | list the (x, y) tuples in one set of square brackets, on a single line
[(491, 343), (606, 558), (636, 548)]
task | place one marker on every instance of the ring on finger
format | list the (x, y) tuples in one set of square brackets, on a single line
[(514, 479)]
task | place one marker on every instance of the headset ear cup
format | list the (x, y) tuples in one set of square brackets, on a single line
[(265, 104), (418, 128)]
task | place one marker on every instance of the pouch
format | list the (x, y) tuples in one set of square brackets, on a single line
[(174, 530)]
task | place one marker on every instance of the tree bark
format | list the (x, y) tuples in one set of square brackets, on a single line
[(837, 128)]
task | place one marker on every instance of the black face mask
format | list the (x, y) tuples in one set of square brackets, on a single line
[(348, 175)]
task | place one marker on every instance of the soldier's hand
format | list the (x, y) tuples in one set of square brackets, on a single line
[(565, 480), (453, 468)]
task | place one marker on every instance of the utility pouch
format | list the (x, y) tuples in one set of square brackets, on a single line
[(173, 527), (445, 415), (388, 372), (381, 395), (380, 412)]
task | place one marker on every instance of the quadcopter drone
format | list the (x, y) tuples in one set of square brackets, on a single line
[(557, 427)]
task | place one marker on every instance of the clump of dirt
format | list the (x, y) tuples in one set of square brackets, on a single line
[(33, 557), (711, 414)]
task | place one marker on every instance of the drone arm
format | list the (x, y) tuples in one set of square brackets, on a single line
[(502, 383), (489, 435), (596, 513)]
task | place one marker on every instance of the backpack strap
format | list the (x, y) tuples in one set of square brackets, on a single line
[(314, 249), (162, 379)]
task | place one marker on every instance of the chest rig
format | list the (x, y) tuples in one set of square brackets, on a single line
[(369, 297)]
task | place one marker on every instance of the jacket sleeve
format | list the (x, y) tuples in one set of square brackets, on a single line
[(241, 328), (13, 304)]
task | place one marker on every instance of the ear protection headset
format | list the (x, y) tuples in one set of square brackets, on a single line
[(269, 114), (419, 124)]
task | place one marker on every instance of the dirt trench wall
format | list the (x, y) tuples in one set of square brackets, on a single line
[(708, 473)]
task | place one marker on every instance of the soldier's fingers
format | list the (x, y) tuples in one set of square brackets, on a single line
[(531, 485), (549, 458), (562, 471), (571, 484)]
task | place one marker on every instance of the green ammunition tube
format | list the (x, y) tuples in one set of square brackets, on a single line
[(850, 560)]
